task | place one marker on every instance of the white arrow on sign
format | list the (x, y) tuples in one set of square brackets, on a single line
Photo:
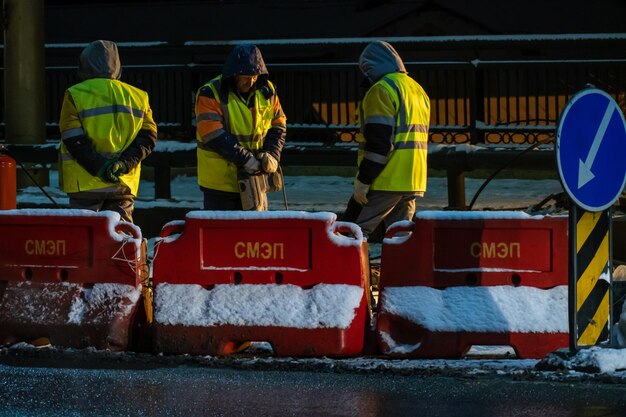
[(584, 168)]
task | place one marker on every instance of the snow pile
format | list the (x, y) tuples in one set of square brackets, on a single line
[(499, 309), (114, 217), (323, 306), (174, 146), (333, 227), (606, 360), (399, 232), (25, 303), (397, 348), (594, 359), (260, 215), (107, 300), (57, 304)]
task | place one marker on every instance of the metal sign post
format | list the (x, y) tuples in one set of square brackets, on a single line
[(591, 159)]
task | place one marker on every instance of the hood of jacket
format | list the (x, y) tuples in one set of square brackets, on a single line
[(99, 59), (378, 59), (244, 60)]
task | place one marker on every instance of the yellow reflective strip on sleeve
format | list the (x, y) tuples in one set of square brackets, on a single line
[(212, 135), (70, 133), (381, 120), (411, 145), (412, 128), (208, 116), (375, 157)]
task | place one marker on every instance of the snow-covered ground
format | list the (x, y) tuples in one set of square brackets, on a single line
[(331, 193)]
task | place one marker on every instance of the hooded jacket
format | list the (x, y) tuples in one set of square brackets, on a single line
[(99, 59), (103, 119), (230, 126), (379, 59), (394, 117)]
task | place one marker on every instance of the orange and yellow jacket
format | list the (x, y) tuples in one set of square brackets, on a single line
[(231, 127)]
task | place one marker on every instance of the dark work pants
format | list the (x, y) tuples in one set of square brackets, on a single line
[(221, 200), (387, 208)]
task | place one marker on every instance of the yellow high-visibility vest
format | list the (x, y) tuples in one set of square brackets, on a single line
[(214, 171), (405, 169), (111, 129)]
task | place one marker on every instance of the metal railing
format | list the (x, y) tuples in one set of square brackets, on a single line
[(480, 102), (482, 89)]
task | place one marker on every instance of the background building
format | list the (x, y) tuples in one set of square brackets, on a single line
[(181, 21), (483, 63)]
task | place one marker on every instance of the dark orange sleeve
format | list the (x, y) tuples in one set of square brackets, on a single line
[(209, 119)]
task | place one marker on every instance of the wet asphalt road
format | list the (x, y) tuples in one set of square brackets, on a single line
[(192, 391)]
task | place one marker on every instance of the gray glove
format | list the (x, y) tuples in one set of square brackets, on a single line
[(252, 165), (269, 164), (360, 192)]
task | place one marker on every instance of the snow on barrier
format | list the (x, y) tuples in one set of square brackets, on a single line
[(70, 277), (296, 280), (451, 280)]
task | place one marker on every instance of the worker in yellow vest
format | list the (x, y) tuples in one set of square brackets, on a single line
[(394, 116), (240, 126), (106, 130)]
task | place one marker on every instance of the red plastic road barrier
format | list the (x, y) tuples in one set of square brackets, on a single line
[(293, 279), (8, 183), (462, 248), (440, 273), (50, 245), (424, 322), (71, 276)]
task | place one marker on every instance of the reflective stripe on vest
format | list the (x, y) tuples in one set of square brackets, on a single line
[(111, 129), (405, 170), (214, 171)]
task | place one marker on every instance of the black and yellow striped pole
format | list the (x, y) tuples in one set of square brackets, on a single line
[(590, 277), (591, 159)]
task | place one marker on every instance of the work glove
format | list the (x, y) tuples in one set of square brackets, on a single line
[(252, 165), (102, 172), (360, 192), (116, 170), (112, 170), (269, 164)]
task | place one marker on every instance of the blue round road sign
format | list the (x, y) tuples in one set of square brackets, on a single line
[(591, 149)]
